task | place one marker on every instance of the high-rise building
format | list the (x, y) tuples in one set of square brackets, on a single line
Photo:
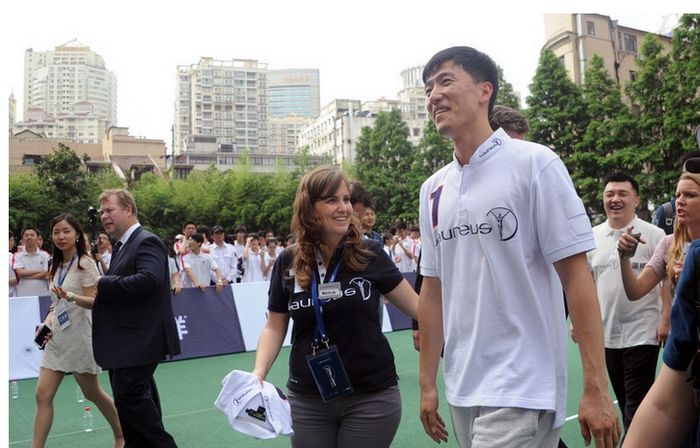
[(70, 75), (284, 133), (294, 92), (221, 106), (576, 38), (12, 109)]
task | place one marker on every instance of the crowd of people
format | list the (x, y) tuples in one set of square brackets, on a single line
[(509, 252)]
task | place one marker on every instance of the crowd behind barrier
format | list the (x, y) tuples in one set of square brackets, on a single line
[(208, 323)]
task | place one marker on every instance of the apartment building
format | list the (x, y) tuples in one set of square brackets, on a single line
[(575, 38), (67, 82), (335, 132), (224, 102)]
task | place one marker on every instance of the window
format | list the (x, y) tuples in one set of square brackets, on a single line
[(590, 27), (630, 43), (633, 75)]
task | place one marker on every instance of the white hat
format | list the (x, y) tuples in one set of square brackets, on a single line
[(259, 411)]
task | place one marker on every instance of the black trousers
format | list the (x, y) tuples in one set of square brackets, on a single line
[(138, 406), (632, 371)]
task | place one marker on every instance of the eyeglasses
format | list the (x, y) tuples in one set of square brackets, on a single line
[(692, 165)]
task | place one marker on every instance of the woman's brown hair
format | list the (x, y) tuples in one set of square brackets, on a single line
[(317, 185)]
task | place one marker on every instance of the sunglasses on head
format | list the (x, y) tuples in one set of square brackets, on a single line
[(692, 165)]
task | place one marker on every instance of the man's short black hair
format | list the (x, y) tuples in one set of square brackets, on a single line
[(359, 194), (197, 237), (622, 177), (187, 223), (30, 227), (479, 65), (400, 225), (240, 229)]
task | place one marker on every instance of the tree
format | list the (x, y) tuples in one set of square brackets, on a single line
[(556, 114), (61, 174), (506, 95), (608, 143), (432, 153), (647, 93), (383, 160), (682, 100)]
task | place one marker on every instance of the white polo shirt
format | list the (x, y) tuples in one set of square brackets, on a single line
[(225, 257), (491, 231), (37, 262), (625, 323), (201, 264)]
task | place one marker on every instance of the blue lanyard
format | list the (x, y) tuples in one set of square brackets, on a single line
[(62, 278), (320, 335)]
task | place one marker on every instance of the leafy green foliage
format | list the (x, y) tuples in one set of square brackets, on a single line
[(556, 115), (383, 161), (608, 143), (506, 94)]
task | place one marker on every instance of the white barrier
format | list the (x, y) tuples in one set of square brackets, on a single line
[(194, 312)]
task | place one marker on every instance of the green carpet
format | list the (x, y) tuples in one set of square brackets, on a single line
[(188, 390)]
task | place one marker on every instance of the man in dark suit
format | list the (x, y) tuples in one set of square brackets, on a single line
[(133, 326)]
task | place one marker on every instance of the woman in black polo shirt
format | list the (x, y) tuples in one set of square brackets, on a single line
[(342, 384)]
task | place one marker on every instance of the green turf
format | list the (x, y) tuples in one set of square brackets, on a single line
[(188, 390)]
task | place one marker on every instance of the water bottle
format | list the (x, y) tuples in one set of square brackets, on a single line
[(87, 419), (14, 389), (79, 394)]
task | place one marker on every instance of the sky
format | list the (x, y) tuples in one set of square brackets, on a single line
[(359, 47)]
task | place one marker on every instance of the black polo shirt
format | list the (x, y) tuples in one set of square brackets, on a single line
[(352, 321)]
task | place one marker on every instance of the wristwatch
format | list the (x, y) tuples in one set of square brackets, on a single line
[(70, 297)]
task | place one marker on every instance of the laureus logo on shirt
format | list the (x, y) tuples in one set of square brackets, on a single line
[(500, 221), (358, 286)]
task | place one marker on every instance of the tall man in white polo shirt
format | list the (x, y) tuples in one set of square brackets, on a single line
[(503, 230), (633, 330)]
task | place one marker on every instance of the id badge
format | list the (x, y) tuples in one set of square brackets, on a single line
[(328, 291), (329, 374), (61, 313)]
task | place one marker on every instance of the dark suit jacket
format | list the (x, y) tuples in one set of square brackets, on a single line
[(132, 319)]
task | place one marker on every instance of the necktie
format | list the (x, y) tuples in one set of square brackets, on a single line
[(116, 248)]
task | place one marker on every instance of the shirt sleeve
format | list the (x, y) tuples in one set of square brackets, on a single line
[(658, 260), (18, 263), (563, 228), (89, 274), (428, 267), (186, 262), (213, 265), (682, 344)]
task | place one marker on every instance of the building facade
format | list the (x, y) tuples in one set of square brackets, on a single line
[(335, 131), (62, 81), (576, 38), (294, 92), (224, 101), (284, 133)]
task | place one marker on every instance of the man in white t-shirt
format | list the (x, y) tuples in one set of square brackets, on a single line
[(503, 230), (224, 255), (403, 248), (633, 329), (32, 266), (198, 266)]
